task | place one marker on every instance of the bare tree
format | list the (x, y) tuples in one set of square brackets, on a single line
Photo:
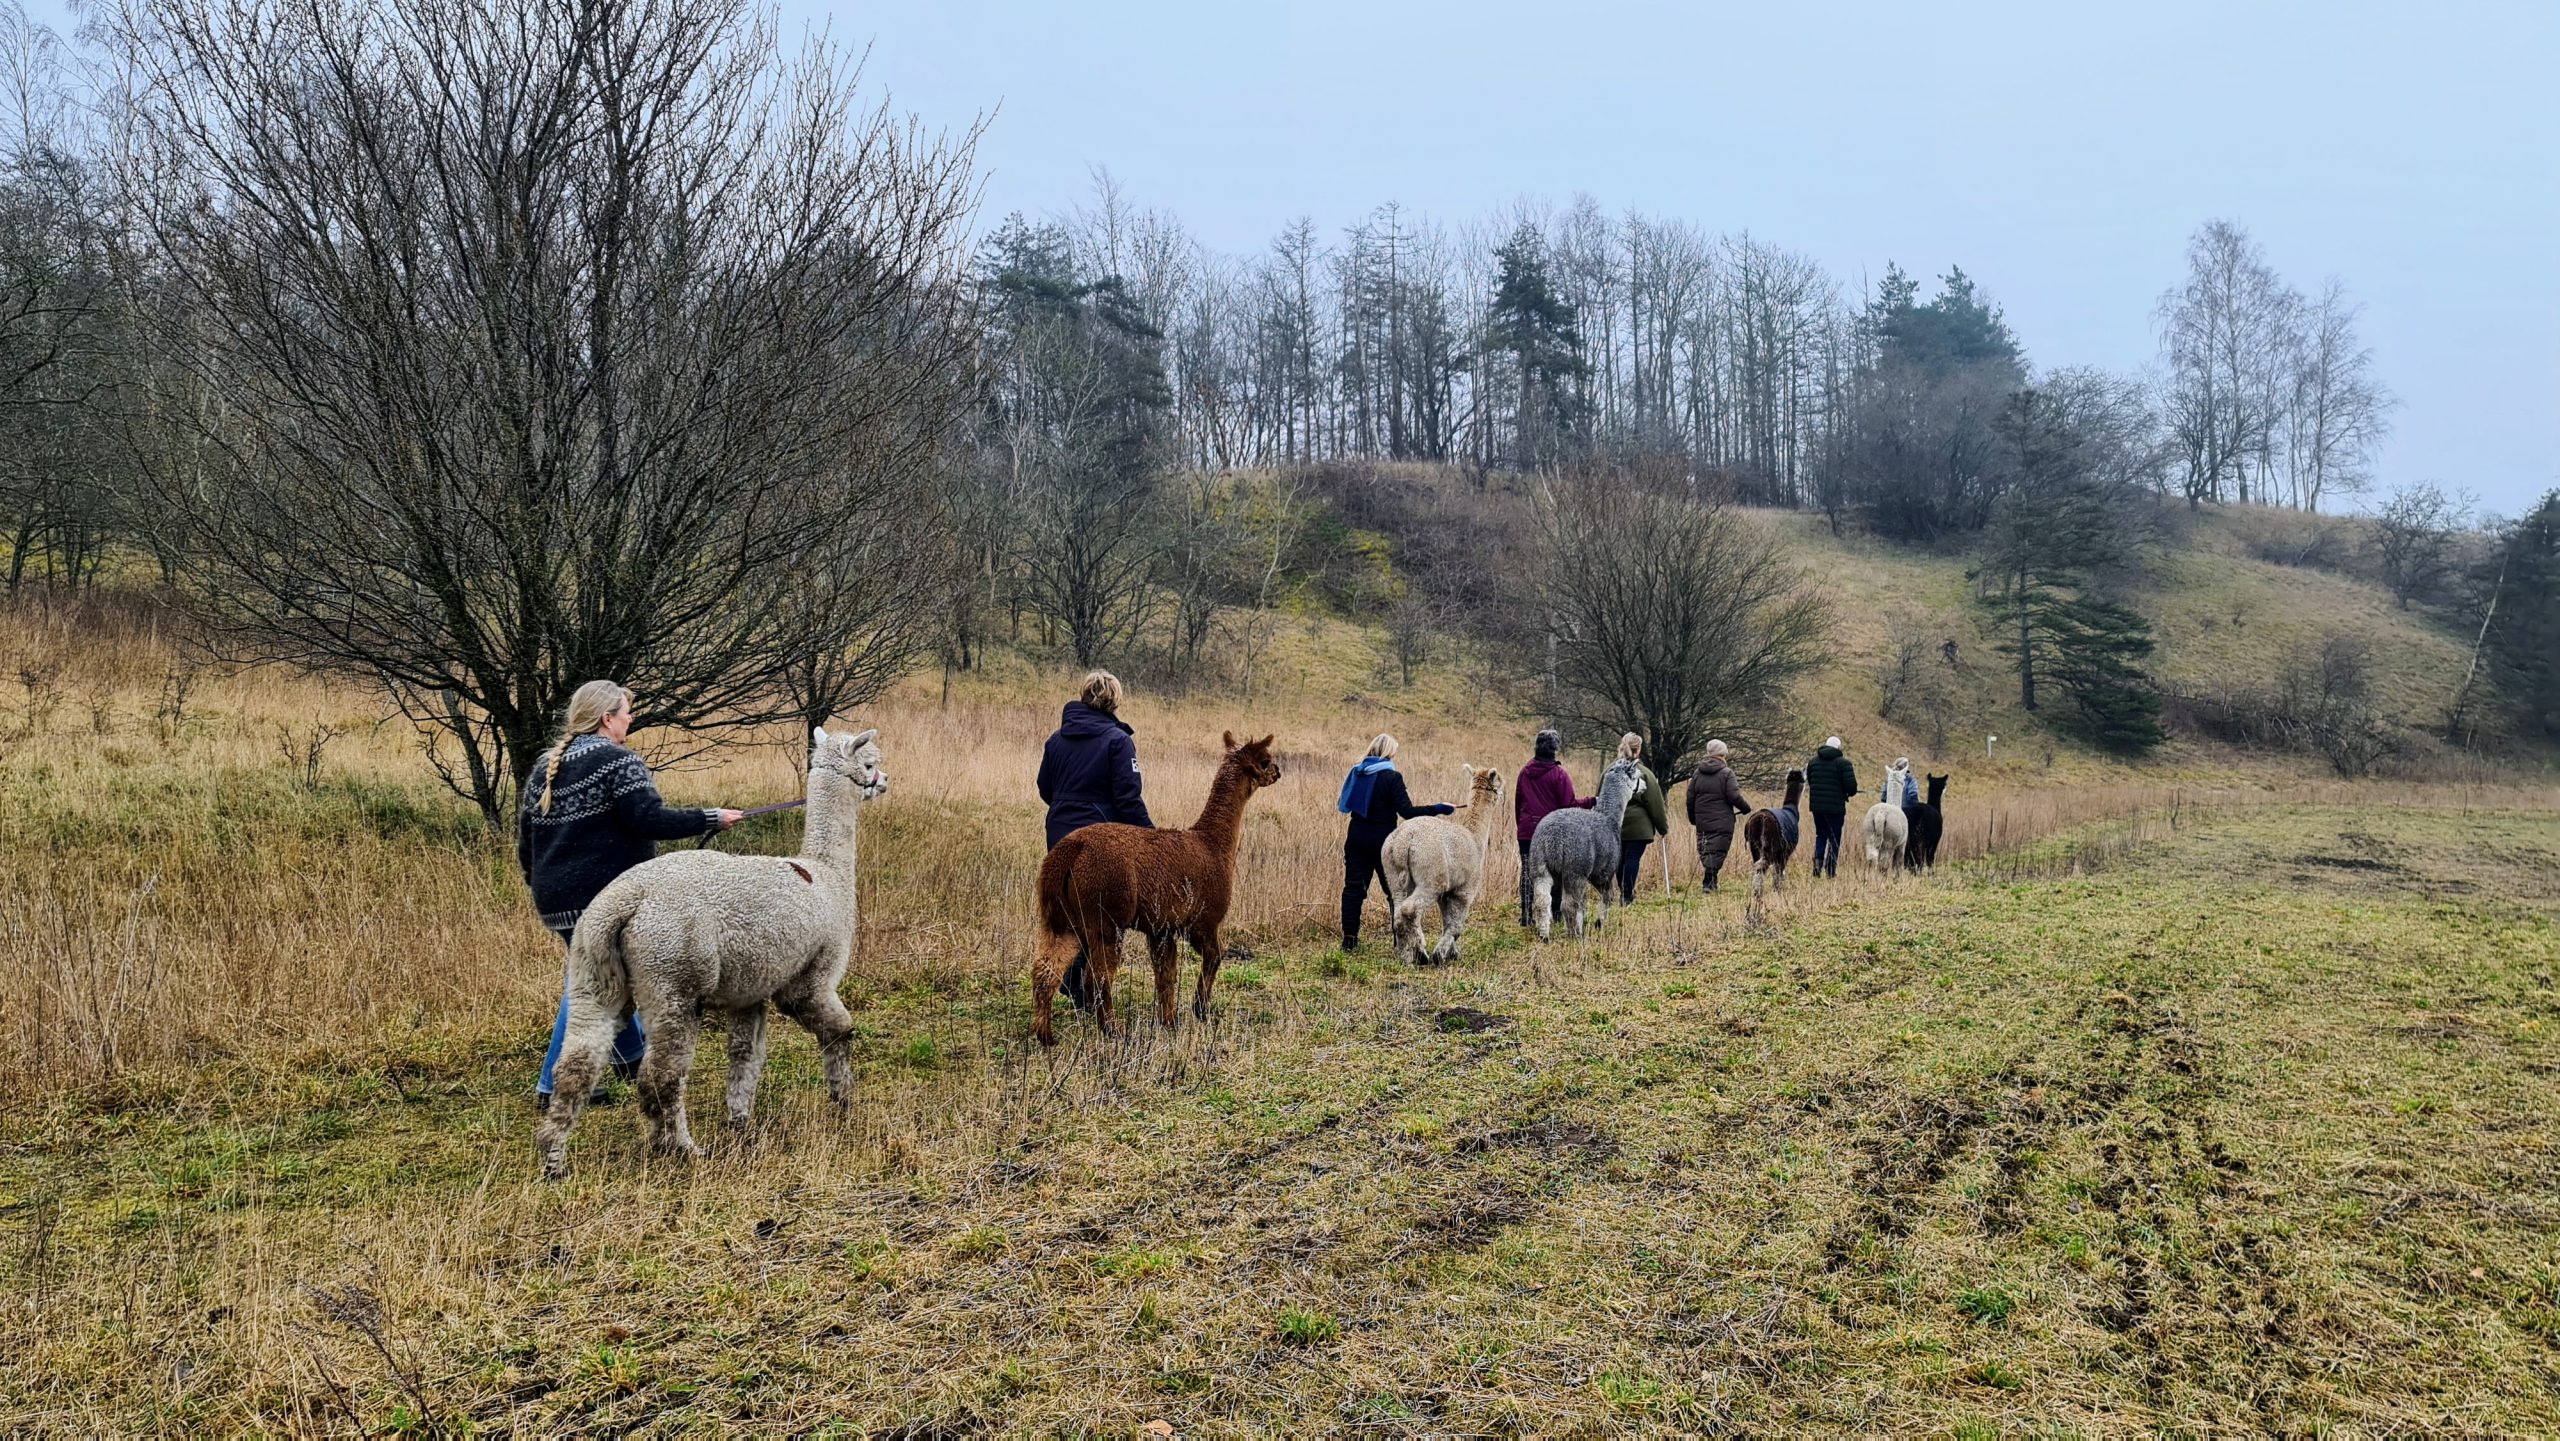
[(2224, 335), (2337, 411), (2413, 538), (540, 342), (1673, 616)]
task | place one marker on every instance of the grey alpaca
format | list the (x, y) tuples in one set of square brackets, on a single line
[(702, 931), (1576, 851)]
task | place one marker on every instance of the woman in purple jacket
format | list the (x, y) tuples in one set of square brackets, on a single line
[(1543, 789)]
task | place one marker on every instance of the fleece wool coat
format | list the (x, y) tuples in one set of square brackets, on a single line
[(1715, 798), (1545, 787)]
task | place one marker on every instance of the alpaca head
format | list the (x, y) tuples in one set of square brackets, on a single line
[(1253, 759), (854, 758), (1795, 785), (1484, 787), (1937, 789), (1620, 784)]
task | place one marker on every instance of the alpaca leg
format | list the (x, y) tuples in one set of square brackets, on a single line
[(1102, 967), (1211, 951), (820, 1012), (746, 1061), (1453, 922), (582, 1059), (1543, 895), (1164, 954), (1048, 971), (672, 1035), (1600, 894)]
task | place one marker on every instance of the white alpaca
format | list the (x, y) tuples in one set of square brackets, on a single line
[(1888, 830), (1437, 861), (700, 930)]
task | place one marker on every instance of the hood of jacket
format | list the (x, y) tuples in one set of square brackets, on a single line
[(1083, 722), (1827, 753), (1710, 765)]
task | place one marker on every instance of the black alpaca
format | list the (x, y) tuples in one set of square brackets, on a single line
[(1928, 823)]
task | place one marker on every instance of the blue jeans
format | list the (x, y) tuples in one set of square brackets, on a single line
[(1826, 841), (628, 1047)]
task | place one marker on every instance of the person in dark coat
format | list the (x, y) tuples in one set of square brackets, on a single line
[(1375, 798), (1648, 818), (595, 815), (1715, 798), (1543, 789), (1089, 777), (1829, 782)]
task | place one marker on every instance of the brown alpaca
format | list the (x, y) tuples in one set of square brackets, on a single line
[(1170, 885), (1767, 838)]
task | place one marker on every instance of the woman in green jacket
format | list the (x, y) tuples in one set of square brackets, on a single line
[(1647, 817)]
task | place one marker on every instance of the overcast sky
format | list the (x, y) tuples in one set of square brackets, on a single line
[(2060, 153)]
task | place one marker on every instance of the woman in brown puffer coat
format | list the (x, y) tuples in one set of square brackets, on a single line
[(1715, 798)]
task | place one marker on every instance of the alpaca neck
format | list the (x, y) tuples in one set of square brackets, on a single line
[(1615, 792), (1482, 812), (1222, 819), (1795, 791), (834, 806)]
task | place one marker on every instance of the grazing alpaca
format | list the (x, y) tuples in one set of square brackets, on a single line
[(1887, 833), (1577, 851), (1928, 824), (1436, 861), (1771, 837), (1171, 885), (703, 931)]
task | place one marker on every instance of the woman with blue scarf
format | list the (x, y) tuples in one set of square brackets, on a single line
[(1373, 795)]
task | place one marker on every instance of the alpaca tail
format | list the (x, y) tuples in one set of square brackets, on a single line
[(599, 976)]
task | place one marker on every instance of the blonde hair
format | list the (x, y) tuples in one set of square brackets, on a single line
[(1102, 692), (590, 706), (1630, 746), (1383, 748)]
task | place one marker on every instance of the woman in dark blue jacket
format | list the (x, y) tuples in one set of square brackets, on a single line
[(1089, 777), (595, 815), (1375, 798)]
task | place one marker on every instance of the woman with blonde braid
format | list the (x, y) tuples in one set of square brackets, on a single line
[(591, 812)]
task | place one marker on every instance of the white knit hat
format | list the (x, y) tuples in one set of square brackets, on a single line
[(1832, 741)]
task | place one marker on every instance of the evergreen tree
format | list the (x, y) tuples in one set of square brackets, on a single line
[(2521, 641), (1535, 326), (2052, 528)]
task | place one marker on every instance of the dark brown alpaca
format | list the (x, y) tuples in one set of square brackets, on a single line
[(1769, 843), (1170, 885)]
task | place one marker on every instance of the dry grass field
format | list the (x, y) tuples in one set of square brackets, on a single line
[(2179, 1100)]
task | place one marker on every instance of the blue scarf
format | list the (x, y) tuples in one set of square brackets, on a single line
[(1354, 800)]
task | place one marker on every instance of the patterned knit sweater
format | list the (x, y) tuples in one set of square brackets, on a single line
[(605, 818)]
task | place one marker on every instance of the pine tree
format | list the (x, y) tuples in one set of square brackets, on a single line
[(2521, 643), (1535, 325), (2051, 530)]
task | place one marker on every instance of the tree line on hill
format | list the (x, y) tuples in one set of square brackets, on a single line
[(473, 351)]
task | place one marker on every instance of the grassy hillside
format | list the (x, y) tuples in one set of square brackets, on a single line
[(2222, 619)]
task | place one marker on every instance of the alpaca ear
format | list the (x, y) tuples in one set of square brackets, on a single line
[(1227, 739), (1265, 742), (1471, 774), (817, 737), (864, 739)]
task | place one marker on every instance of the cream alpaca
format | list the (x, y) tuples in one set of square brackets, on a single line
[(700, 930), (1436, 861)]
